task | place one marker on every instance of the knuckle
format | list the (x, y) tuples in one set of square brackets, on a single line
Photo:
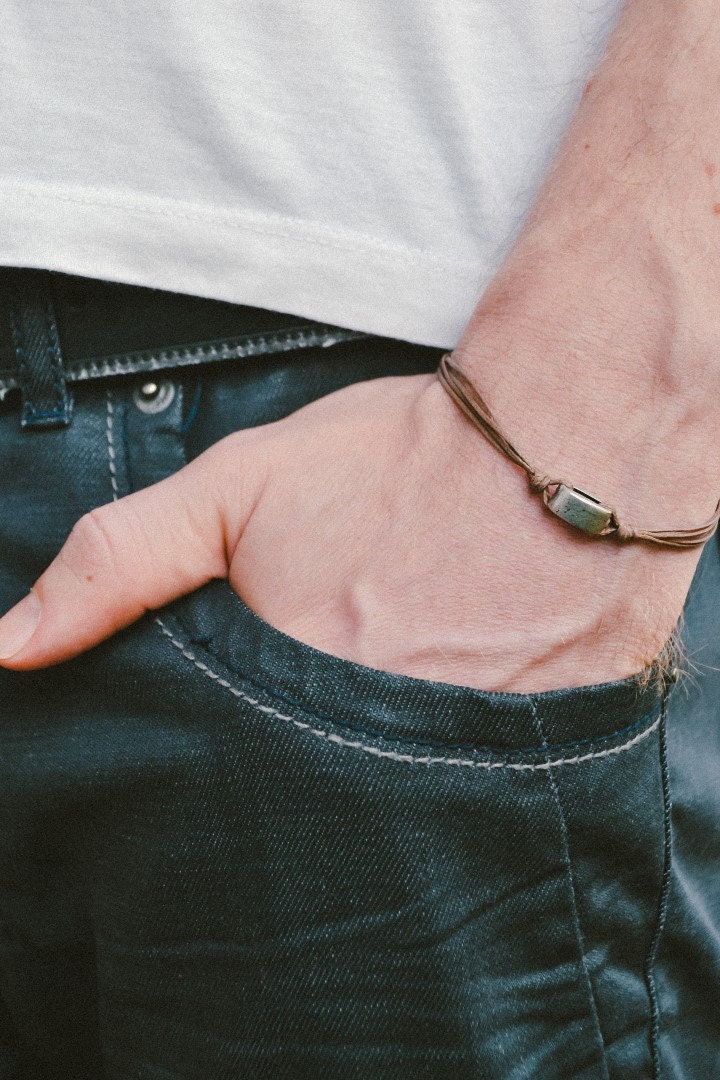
[(91, 546), (93, 531)]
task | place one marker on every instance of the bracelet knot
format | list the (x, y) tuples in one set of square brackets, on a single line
[(539, 482), (621, 531)]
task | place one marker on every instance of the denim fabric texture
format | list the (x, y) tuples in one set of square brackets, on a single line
[(224, 854)]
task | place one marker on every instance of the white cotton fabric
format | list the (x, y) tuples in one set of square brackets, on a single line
[(359, 162)]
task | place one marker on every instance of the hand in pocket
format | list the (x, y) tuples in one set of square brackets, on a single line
[(374, 524)]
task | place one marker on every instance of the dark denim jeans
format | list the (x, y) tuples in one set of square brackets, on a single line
[(224, 854)]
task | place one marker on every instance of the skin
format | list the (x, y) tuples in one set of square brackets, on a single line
[(378, 525)]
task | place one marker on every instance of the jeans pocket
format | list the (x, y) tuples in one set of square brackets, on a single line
[(431, 877)]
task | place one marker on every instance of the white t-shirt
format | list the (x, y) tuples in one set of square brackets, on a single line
[(360, 162)]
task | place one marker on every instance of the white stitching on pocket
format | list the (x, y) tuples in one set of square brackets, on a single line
[(393, 755)]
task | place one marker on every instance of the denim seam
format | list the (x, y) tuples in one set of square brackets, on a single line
[(48, 414), (567, 860), (227, 348), (393, 755), (110, 435), (386, 736), (63, 406), (664, 898), (235, 347)]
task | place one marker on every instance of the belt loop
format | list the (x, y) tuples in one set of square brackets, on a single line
[(46, 402)]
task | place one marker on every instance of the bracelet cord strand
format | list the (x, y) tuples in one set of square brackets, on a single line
[(469, 401)]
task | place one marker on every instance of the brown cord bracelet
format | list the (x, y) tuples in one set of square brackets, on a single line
[(562, 499)]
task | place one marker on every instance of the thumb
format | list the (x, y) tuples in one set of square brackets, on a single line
[(131, 556)]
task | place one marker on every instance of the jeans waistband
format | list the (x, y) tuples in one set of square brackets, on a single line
[(135, 329)]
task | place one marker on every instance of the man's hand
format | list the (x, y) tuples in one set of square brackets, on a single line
[(377, 525)]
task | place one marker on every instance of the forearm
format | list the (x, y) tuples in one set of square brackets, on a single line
[(644, 140), (602, 330)]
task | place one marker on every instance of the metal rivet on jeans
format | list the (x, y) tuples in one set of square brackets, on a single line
[(154, 397)]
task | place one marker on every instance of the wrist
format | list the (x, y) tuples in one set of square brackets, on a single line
[(610, 396), (560, 608)]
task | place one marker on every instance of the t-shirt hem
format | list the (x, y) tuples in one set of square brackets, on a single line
[(327, 275)]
